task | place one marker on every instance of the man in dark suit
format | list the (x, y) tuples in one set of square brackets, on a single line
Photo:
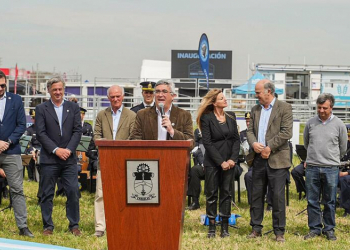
[(148, 96), (87, 131), (175, 124), (12, 126), (58, 129), (270, 128)]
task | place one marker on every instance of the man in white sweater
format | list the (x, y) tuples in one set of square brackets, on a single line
[(325, 139)]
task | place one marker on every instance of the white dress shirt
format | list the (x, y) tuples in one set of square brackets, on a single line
[(2, 106), (162, 133)]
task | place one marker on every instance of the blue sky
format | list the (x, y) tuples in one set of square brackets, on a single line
[(111, 38)]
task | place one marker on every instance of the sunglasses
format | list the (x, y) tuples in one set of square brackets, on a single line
[(3, 86)]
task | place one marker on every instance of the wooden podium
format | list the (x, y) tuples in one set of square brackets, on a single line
[(144, 226)]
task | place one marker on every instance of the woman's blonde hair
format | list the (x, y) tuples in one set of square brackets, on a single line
[(207, 104)]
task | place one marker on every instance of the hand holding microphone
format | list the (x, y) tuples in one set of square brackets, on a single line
[(166, 123), (161, 107)]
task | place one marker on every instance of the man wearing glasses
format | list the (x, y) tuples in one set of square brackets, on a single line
[(148, 96), (164, 121), (12, 126)]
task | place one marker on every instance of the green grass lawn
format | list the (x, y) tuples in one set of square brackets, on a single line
[(194, 234)]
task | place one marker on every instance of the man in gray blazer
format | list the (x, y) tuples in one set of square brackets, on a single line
[(113, 123), (270, 128)]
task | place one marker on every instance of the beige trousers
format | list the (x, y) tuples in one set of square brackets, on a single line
[(100, 222)]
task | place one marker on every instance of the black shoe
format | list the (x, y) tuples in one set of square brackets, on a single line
[(310, 236), (330, 235), (211, 231), (25, 232), (224, 229), (268, 208), (194, 206)]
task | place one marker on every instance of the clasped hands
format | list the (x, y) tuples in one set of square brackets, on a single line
[(226, 165), (3, 146), (261, 149), (63, 153)]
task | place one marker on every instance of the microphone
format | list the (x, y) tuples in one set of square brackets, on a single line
[(161, 107)]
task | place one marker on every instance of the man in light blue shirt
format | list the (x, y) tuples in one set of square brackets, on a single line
[(264, 119), (270, 128), (115, 122), (12, 126), (58, 129)]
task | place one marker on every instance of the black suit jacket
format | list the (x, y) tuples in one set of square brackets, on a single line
[(87, 129), (49, 134), (218, 147), (138, 107)]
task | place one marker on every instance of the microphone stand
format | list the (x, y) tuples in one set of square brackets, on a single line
[(10, 205)]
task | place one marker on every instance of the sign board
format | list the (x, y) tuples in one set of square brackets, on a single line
[(186, 64)]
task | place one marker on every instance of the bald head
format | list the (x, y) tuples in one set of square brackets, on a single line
[(264, 91), (116, 96), (114, 87)]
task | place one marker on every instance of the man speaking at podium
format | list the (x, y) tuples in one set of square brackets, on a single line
[(163, 121)]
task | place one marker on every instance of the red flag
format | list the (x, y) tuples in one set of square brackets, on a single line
[(16, 76)]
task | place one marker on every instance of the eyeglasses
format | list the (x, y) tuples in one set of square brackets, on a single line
[(164, 91), (3, 86)]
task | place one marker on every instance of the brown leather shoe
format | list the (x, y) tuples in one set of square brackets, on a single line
[(47, 232), (253, 235), (280, 238), (99, 233), (75, 232)]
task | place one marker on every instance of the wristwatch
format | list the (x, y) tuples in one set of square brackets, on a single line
[(9, 141)]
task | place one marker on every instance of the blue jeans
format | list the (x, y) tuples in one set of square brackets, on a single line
[(321, 181)]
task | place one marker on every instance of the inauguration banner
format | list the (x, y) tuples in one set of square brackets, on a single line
[(186, 64), (203, 52)]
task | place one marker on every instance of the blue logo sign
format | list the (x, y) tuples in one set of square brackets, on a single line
[(203, 52)]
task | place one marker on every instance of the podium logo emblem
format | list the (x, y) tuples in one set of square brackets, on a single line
[(142, 182)]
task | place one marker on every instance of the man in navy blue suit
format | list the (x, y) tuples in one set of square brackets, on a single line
[(12, 126), (58, 129)]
